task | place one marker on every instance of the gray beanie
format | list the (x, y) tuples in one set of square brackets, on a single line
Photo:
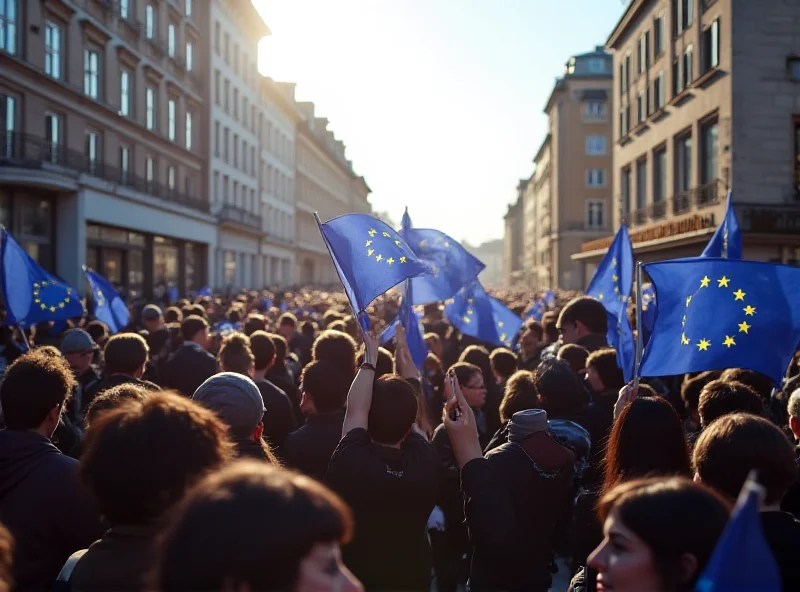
[(525, 423), (235, 399)]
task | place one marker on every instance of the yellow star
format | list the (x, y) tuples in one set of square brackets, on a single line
[(616, 289), (722, 282), (749, 310), (422, 243), (500, 324), (386, 234), (466, 319), (36, 292), (370, 252), (69, 290), (614, 278), (688, 300), (402, 259), (61, 304), (52, 309), (372, 232), (743, 327), (369, 242), (379, 258), (683, 322), (502, 337), (614, 261), (739, 295), (729, 341), (600, 296), (684, 340), (446, 244), (703, 345), (397, 242), (470, 300), (390, 260), (35, 284), (704, 282), (43, 305), (470, 311)]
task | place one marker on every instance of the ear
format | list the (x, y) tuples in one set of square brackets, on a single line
[(794, 425), (689, 567), (259, 432), (697, 478)]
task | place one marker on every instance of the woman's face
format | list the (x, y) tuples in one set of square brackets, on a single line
[(474, 391), (623, 561), (322, 570)]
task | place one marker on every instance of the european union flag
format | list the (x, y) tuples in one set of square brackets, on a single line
[(205, 291), (550, 298), (369, 257), (722, 313), (648, 312), (32, 295), (507, 323), (109, 307), (620, 336), (613, 279), (471, 313), (535, 310), (727, 239), (742, 559), (415, 335)]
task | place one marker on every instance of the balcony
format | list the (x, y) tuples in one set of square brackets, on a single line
[(684, 202), (32, 152), (239, 217)]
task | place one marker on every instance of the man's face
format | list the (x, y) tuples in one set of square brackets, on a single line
[(153, 325), (529, 343), (568, 332), (79, 361), (286, 330)]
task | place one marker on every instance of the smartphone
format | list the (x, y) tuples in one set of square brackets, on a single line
[(455, 415)]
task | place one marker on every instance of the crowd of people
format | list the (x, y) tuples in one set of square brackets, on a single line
[(260, 441)]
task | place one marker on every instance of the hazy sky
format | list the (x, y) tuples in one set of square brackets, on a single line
[(439, 102)]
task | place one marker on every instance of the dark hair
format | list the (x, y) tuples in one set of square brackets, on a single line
[(465, 371), (173, 315), (32, 386), (308, 329), (114, 397), (191, 326), (561, 392), (281, 347), (504, 362), (587, 311), (551, 330), (691, 387), (287, 318), (263, 348), (574, 355), (208, 544), (339, 349), (647, 439), (125, 353), (98, 330), (737, 443), (535, 327), (383, 365), (326, 385), (195, 310), (760, 383), (672, 517), (235, 354), (233, 314), (721, 397), (139, 459), (479, 356), (255, 322), (604, 361), (520, 394), (393, 410)]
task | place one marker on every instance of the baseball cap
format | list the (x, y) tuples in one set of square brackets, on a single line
[(151, 312), (235, 399), (77, 340)]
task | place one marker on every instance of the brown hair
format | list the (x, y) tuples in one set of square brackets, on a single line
[(125, 353), (235, 354), (721, 397), (114, 397), (339, 349), (520, 394), (604, 361), (574, 355), (504, 362)]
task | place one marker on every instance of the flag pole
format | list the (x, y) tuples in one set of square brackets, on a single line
[(24, 338), (639, 338)]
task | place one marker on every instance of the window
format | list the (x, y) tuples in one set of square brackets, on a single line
[(236, 103), (627, 69), (660, 174), (683, 163), (52, 50), (594, 110), (125, 93), (640, 107), (236, 150), (596, 65), (236, 57), (658, 91), (594, 214), (225, 186), (227, 95), (150, 21), (171, 114), (641, 56), (149, 172), (188, 7), (150, 108), (124, 9), (595, 177), (796, 188), (91, 150), (595, 145), (236, 193), (709, 136), (225, 145), (8, 117), (189, 55), (677, 81), (227, 48), (244, 111), (216, 139), (624, 121), (682, 15), (216, 37), (52, 125), (188, 131), (171, 178), (641, 184), (647, 49), (688, 56), (171, 40), (216, 88), (622, 77), (91, 73), (625, 190), (658, 36), (711, 46), (8, 26)]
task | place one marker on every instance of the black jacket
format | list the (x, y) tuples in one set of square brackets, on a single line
[(782, 533), (188, 368), (279, 419), (44, 506), (309, 449), (280, 377), (116, 380)]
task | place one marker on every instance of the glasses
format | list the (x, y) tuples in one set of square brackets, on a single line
[(477, 387)]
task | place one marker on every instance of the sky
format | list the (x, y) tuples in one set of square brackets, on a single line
[(439, 102)]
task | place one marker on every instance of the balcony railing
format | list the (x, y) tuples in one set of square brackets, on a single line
[(657, 210), (33, 152), (230, 213), (683, 202)]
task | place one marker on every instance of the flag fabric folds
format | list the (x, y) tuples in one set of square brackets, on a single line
[(369, 257), (715, 313), (205, 291), (535, 310), (475, 313), (648, 311), (550, 298), (613, 280), (727, 239), (415, 334), (172, 292), (742, 559), (109, 307), (620, 337), (33, 295), (507, 323)]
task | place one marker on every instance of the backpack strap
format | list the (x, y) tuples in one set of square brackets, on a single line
[(66, 572)]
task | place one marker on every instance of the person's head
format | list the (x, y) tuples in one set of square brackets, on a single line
[(504, 363), (33, 392), (281, 347), (520, 394), (479, 356), (263, 349), (237, 401), (234, 315), (173, 315), (126, 353), (760, 383), (734, 445), (99, 332), (393, 410), (308, 329), (574, 355), (287, 324), (602, 371), (794, 413), (470, 379), (152, 319), (323, 387), (434, 343), (255, 322), (383, 365), (690, 392), (339, 349), (550, 331), (582, 316), (78, 349), (532, 336), (140, 458), (647, 439), (113, 398), (209, 543), (561, 392), (658, 534), (720, 397), (235, 354), (195, 329)]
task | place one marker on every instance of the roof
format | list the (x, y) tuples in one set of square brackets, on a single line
[(557, 88), (289, 107), (545, 143), (254, 18), (633, 9)]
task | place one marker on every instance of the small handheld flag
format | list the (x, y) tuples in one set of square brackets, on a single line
[(109, 307), (205, 291), (727, 239), (613, 280), (475, 313), (535, 310), (506, 322)]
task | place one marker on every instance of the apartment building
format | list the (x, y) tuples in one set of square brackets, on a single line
[(708, 99), (569, 195), (101, 159), (513, 239)]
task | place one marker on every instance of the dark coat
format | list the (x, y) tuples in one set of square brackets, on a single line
[(309, 448), (782, 533), (280, 377), (188, 368), (116, 380), (279, 419), (44, 506)]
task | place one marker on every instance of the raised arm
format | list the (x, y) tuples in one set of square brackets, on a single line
[(359, 399)]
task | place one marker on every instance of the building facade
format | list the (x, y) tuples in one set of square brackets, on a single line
[(102, 158), (708, 99), (513, 240)]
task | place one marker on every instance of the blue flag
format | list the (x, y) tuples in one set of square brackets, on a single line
[(389, 331), (727, 239), (550, 298), (32, 295), (620, 336), (266, 302), (472, 311), (205, 291), (507, 323), (714, 314), (284, 306), (535, 310), (742, 559), (415, 335), (172, 292), (109, 307), (369, 257), (613, 279), (648, 312)]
